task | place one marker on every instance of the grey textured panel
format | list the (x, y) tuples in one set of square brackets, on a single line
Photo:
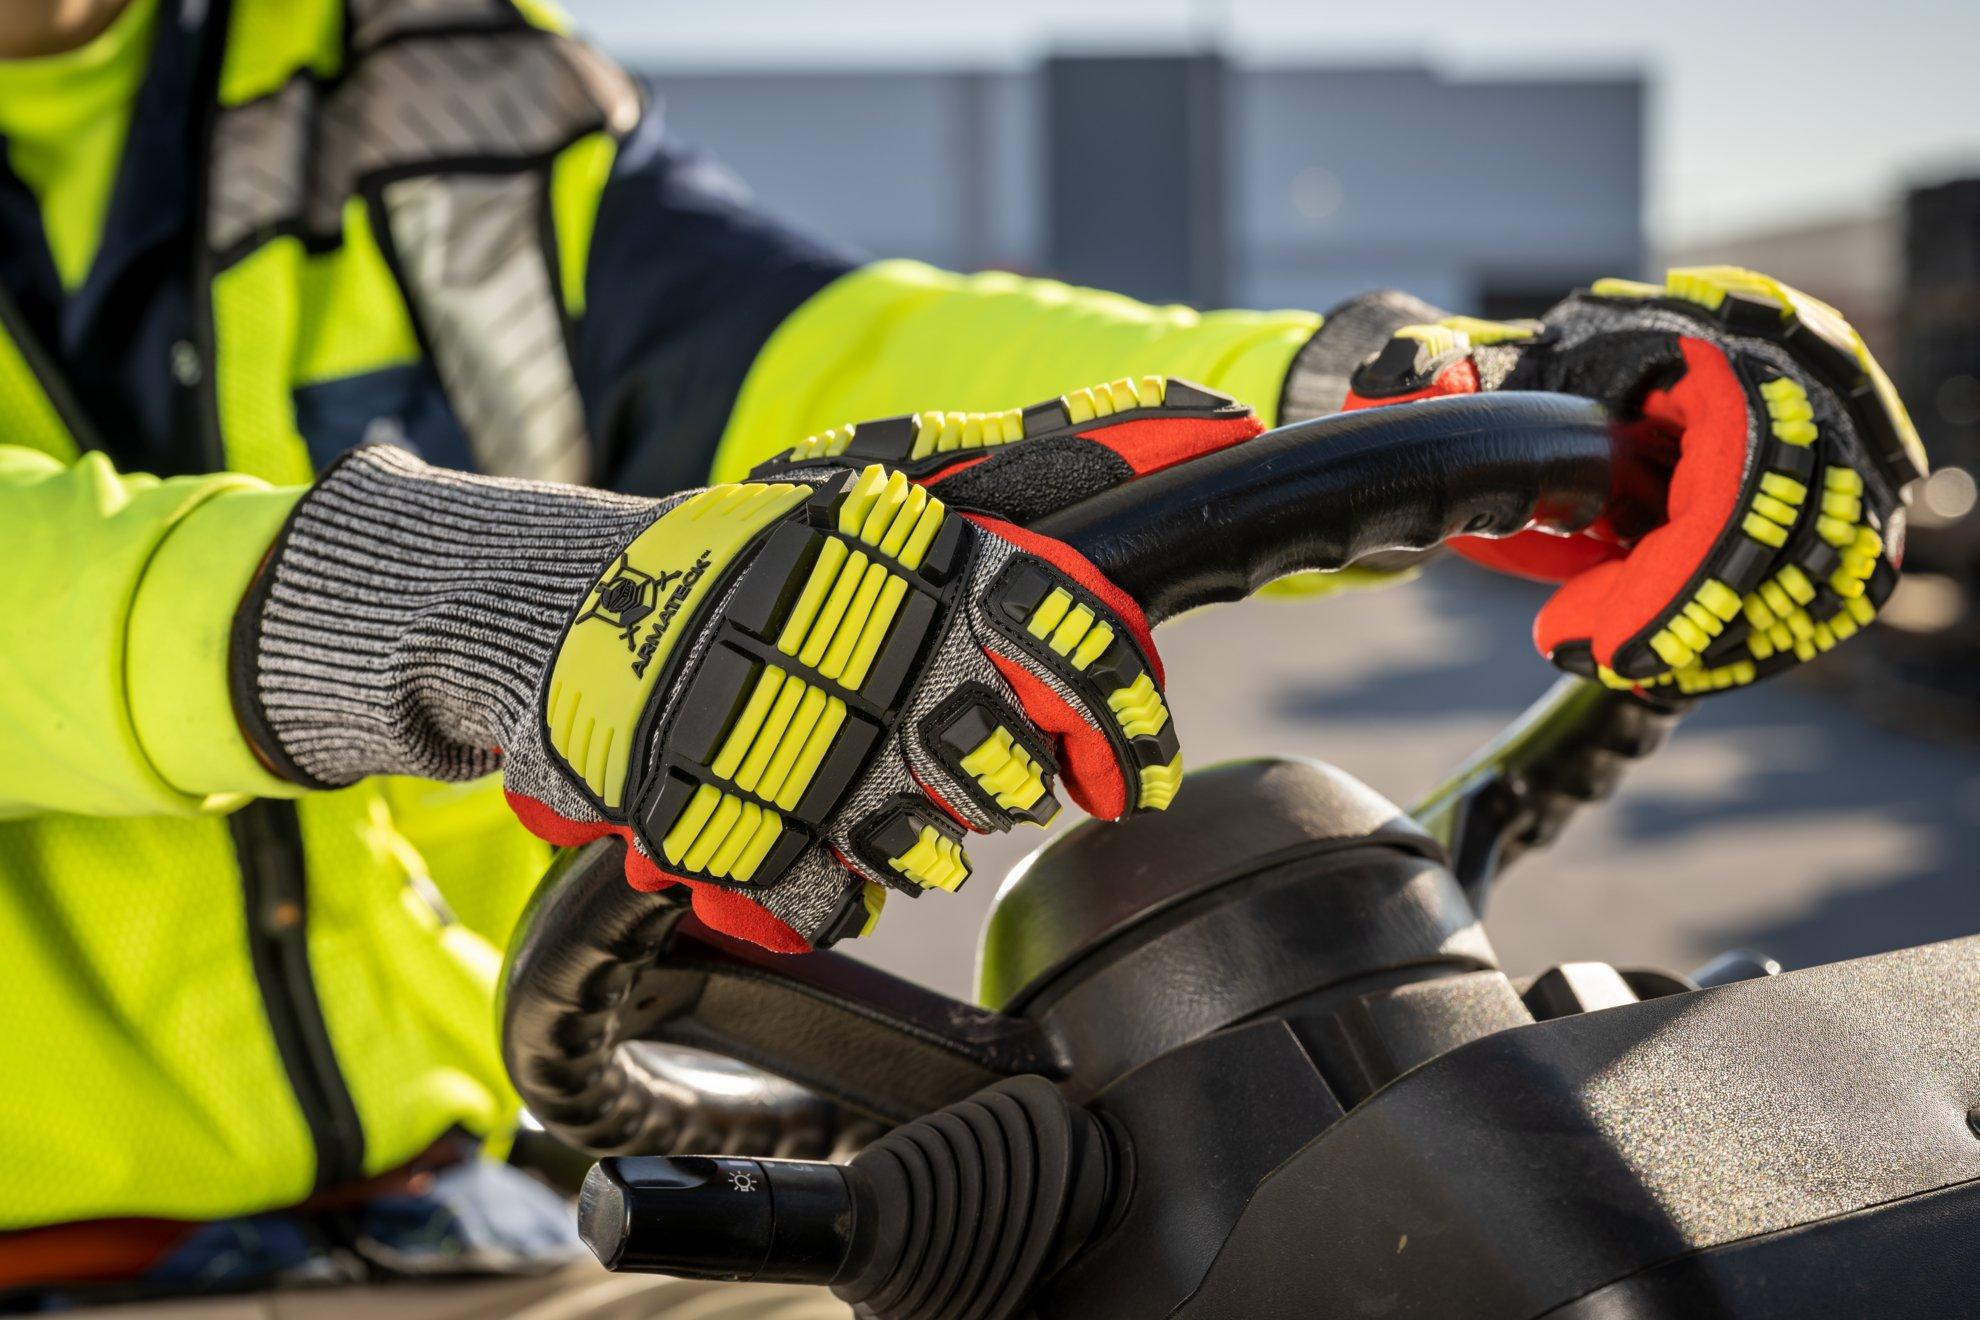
[(421, 103), (472, 257), (373, 21), (261, 163), (446, 99)]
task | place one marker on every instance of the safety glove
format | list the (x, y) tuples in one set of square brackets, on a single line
[(790, 694), (1778, 443)]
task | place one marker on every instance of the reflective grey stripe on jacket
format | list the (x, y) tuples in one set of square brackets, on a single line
[(449, 129)]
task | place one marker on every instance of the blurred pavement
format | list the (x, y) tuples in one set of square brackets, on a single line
[(1774, 820)]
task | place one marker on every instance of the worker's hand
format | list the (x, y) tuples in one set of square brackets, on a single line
[(786, 694), (1777, 444)]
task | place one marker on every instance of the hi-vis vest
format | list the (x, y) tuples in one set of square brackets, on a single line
[(216, 1014)]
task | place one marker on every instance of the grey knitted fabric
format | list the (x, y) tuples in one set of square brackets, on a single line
[(409, 612), (1353, 332)]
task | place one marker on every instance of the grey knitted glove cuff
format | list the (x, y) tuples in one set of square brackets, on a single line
[(405, 616), (1353, 332)]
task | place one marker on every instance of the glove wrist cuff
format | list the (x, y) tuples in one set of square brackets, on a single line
[(1317, 382), (405, 613)]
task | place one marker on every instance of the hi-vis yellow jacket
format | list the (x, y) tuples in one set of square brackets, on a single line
[(445, 222)]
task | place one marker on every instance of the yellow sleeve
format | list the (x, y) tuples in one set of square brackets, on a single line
[(118, 600), (898, 336)]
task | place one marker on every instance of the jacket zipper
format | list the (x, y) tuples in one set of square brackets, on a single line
[(267, 833), (268, 845)]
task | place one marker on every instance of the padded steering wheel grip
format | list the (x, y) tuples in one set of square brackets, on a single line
[(831, 1051), (1323, 493)]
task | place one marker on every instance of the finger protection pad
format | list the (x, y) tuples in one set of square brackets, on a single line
[(987, 749), (1091, 763), (1118, 604), (1090, 683), (916, 843), (1452, 376)]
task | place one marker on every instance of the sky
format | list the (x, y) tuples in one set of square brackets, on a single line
[(1762, 113)]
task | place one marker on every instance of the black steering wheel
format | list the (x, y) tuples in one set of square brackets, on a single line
[(613, 999)]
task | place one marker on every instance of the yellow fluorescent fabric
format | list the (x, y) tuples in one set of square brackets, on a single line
[(31, 419), (65, 118), (82, 544), (478, 855), (125, 938), (139, 1061), (405, 996), (267, 44), (351, 316), (577, 181), (167, 1096), (148, 1080), (1309, 586), (140, 1074), (256, 315), (180, 622), (545, 14), (899, 336)]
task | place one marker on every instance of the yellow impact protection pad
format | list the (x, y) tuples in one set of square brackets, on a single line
[(1005, 771), (934, 862), (1159, 784), (617, 647)]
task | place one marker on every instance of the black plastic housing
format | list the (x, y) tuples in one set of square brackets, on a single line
[(1291, 1081), (1796, 1145)]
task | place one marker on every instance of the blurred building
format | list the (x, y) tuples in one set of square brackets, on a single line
[(1940, 306), (1190, 178), (1938, 371)]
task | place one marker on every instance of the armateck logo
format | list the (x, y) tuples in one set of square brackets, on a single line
[(626, 598)]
